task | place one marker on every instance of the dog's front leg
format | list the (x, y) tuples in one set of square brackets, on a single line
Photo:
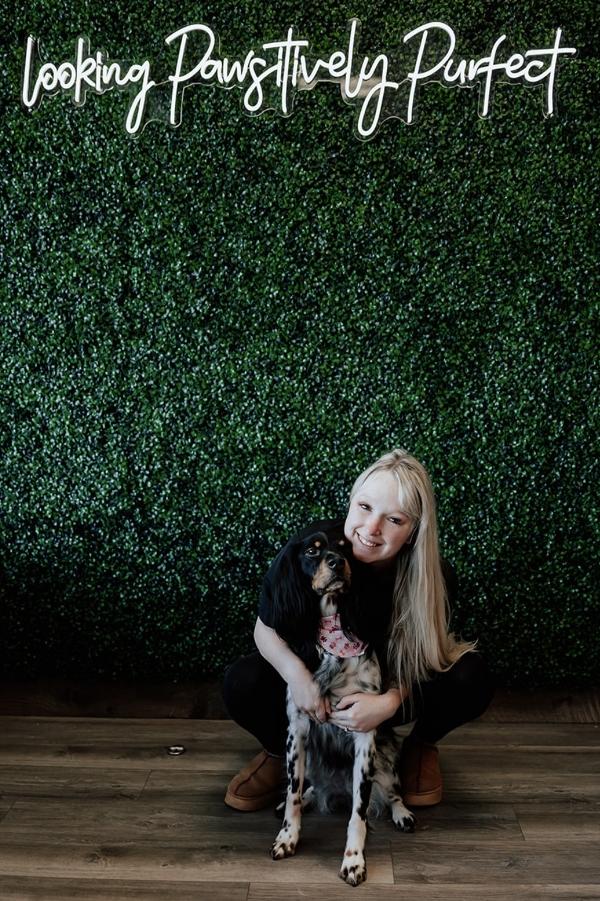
[(287, 839), (354, 868)]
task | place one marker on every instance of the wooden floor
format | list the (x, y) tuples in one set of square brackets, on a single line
[(96, 809)]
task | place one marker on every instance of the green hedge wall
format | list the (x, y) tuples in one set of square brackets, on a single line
[(207, 332)]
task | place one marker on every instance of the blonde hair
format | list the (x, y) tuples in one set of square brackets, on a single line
[(419, 641)]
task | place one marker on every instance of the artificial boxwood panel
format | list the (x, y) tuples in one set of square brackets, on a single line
[(207, 332)]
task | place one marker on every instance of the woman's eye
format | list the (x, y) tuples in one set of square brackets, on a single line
[(364, 506), (397, 522)]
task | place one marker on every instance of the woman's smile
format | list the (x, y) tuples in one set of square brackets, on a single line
[(365, 541)]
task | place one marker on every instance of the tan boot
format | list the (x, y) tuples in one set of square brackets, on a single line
[(420, 776), (258, 785)]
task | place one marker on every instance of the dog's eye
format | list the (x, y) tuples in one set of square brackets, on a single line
[(312, 552)]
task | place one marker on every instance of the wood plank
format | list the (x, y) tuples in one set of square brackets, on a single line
[(70, 782), (440, 892), (550, 705), (215, 857), (98, 728), (196, 759), (521, 787), (572, 805), (137, 731), (463, 822), (5, 806), (149, 821), (560, 826), (61, 732), (496, 863), (37, 888), (207, 788), (515, 761), (525, 736), (209, 745), (65, 731), (51, 820)]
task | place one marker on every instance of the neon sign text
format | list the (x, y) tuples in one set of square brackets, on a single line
[(271, 77)]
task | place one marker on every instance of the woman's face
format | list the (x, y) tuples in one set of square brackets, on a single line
[(375, 525)]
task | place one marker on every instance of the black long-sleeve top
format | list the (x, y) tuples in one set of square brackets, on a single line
[(375, 590)]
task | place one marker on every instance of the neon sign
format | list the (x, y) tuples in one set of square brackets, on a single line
[(271, 77)]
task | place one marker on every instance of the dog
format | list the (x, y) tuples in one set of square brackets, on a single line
[(315, 612)]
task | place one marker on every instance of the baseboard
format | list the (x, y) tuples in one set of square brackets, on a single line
[(203, 700)]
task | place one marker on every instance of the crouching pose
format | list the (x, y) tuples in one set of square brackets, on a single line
[(402, 589), (311, 589)]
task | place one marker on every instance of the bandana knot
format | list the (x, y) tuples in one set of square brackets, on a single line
[(333, 640)]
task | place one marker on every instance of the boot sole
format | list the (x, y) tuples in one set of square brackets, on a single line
[(249, 805), (423, 799)]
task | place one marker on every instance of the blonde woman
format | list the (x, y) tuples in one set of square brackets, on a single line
[(404, 587)]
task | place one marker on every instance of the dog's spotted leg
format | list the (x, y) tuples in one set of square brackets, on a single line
[(387, 787), (354, 868), (308, 799), (287, 839)]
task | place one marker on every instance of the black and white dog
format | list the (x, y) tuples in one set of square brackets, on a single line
[(314, 611)]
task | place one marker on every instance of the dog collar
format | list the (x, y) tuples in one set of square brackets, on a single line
[(333, 640)]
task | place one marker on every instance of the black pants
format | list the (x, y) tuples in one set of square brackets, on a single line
[(254, 695)]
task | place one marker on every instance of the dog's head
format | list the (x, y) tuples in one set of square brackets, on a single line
[(310, 578), (325, 563)]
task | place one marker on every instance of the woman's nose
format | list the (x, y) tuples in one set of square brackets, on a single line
[(374, 525)]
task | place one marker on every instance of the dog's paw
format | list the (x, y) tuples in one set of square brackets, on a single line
[(354, 868), (404, 820), (283, 846), (405, 824)]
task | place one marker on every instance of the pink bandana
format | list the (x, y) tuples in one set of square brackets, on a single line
[(333, 640)]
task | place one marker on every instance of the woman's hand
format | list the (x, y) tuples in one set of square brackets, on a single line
[(362, 712), (307, 696)]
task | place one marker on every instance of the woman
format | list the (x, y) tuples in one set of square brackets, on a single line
[(404, 589)]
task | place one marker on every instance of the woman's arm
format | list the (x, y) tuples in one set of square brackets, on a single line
[(292, 670)]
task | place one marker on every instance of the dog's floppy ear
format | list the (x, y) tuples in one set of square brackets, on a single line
[(296, 612)]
